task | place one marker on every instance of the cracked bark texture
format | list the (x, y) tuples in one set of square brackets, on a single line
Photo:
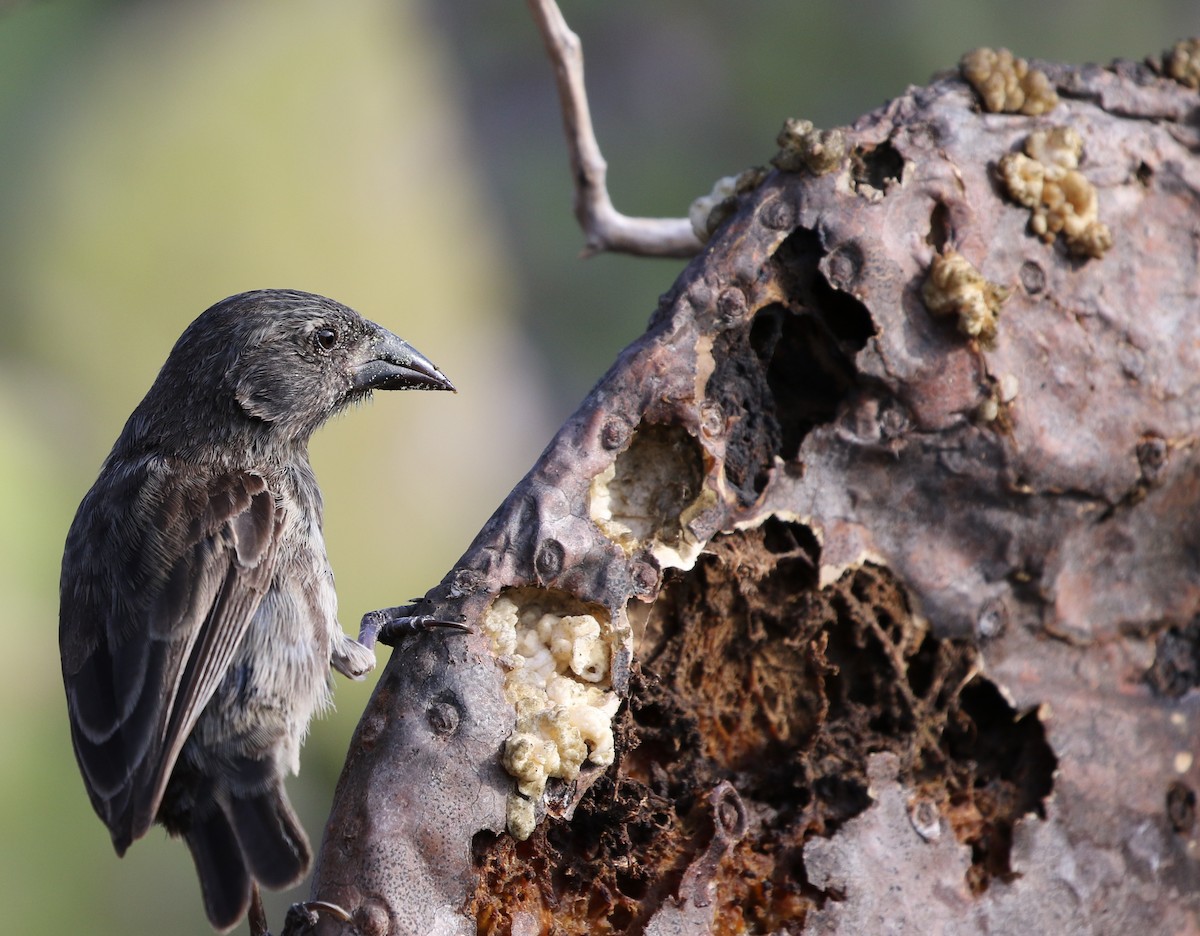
[(909, 629)]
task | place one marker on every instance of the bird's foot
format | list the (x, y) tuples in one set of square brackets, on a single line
[(302, 918), (391, 624)]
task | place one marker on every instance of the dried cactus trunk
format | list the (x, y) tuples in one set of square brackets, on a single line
[(903, 613)]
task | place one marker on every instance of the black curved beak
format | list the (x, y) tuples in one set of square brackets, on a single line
[(394, 364)]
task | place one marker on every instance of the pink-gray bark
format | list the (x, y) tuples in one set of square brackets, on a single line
[(935, 669)]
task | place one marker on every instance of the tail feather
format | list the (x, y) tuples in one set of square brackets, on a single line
[(271, 837), (224, 880), (241, 830)]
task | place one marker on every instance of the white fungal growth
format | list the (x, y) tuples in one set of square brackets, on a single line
[(558, 679)]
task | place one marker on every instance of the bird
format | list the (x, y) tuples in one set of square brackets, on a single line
[(198, 617)]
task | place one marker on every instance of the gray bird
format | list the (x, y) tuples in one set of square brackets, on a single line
[(198, 619)]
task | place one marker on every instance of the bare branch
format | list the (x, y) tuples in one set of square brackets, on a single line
[(605, 228)]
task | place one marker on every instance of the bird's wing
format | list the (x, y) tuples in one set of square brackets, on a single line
[(170, 569)]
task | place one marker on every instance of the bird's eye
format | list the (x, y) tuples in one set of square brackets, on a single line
[(326, 338)]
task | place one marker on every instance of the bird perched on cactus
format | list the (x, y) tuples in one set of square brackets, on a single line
[(198, 619)]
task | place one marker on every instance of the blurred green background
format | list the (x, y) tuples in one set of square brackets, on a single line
[(404, 158)]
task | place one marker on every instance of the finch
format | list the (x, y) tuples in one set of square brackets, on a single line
[(198, 618)]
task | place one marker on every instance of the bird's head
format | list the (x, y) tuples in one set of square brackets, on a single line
[(287, 361)]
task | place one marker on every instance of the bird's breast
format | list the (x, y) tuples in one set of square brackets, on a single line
[(280, 674)]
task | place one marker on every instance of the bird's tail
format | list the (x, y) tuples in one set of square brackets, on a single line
[(224, 880), (250, 837), (272, 839)]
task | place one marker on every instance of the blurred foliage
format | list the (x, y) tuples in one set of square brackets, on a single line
[(156, 158), (406, 159)]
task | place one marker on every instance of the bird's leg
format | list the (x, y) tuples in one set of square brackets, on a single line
[(257, 917), (356, 658), (390, 624)]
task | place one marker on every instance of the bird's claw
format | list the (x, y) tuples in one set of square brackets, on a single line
[(390, 624), (302, 918)]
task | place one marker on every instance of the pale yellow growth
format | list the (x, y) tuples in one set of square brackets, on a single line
[(648, 497), (1057, 146), (1003, 393), (1046, 179), (1006, 84), (557, 678), (1007, 387), (802, 146), (955, 287), (522, 817), (600, 505), (1182, 62)]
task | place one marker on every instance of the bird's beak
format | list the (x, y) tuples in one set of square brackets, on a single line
[(394, 364)]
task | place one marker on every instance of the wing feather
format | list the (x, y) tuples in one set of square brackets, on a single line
[(164, 570)]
